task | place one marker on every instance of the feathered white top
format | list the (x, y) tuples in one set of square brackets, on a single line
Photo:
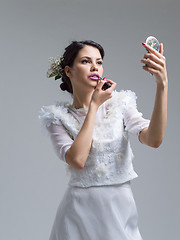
[(110, 158)]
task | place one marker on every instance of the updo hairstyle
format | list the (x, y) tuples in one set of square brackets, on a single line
[(69, 56)]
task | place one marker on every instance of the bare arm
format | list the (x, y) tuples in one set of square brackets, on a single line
[(77, 154), (154, 134)]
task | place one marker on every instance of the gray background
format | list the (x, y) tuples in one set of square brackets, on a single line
[(32, 179)]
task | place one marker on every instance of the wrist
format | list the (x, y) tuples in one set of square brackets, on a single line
[(93, 106), (162, 85)]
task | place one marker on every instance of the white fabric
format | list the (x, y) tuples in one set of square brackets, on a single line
[(98, 203), (110, 158), (60, 140), (97, 213)]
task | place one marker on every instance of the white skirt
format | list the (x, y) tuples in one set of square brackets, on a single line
[(97, 213)]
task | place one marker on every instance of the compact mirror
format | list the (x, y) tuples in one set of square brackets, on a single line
[(153, 42)]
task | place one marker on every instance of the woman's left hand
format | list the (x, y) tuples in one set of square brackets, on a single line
[(155, 63)]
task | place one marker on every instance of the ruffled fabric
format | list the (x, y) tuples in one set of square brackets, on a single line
[(110, 157), (52, 113), (133, 119), (58, 114)]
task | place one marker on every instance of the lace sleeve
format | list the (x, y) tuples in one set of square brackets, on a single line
[(60, 139), (133, 120), (49, 117)]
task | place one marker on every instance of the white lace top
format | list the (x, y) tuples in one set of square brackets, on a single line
[(110, 158)]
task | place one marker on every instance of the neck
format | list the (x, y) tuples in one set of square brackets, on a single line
[(82, 99)]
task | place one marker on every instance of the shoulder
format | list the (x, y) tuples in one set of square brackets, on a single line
[(130, 98), (124, 97), (52, 113)]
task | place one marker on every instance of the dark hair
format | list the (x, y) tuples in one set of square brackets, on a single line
[(69, 56)]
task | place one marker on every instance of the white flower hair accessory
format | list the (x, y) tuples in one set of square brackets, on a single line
[(55, 69)]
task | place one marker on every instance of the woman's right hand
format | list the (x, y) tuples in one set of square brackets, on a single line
[(78, 153), (99, 95)]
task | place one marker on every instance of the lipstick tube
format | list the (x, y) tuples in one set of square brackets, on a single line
[(106, 84)]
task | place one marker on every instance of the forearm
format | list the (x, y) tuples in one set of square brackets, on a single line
[(77, 154), (157, 127)]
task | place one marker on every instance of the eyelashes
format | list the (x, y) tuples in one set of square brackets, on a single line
[(84, 61), (88, 61)]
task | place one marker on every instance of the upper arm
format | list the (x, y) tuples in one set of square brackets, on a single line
[(60, 139), (143, 136), (133, 119), (62, 143), (135, 123)]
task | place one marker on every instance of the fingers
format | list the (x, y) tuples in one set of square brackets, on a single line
[(101, 83), (108, 80), (161, 50), (153, 58), (153, 51), (154, 61), (150, 69), (113, 84), (100, 95)]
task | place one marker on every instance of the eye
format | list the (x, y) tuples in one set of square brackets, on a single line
[(100, 62), (85, 61)]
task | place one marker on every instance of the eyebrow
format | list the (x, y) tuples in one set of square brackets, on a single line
[(90, 58)]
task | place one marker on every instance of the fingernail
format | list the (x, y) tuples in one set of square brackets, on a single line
[(104, 78), (143, 44)]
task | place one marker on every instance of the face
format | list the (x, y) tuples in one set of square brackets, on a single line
[(87, 62)]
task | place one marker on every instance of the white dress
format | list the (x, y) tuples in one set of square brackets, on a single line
[(98, 202)]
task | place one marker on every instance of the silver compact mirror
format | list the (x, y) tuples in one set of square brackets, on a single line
[(153, 42)]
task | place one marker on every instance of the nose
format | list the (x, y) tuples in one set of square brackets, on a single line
[(94, 67)]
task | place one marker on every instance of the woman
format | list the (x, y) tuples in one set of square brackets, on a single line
[(91, 136)]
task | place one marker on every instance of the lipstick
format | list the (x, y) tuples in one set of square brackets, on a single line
[(106, 84), (96, 76)]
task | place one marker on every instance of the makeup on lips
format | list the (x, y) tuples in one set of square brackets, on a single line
[(95, 76)]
